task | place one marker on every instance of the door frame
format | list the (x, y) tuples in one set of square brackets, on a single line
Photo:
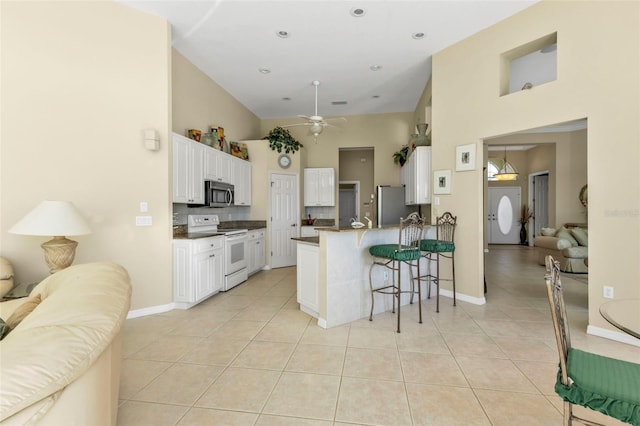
[(356, 183), (297, 212), (530, 201)]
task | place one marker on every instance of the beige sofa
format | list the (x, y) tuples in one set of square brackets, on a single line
[(569, 246), (61, 364)]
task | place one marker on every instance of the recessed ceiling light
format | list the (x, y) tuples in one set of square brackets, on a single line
[(264, 70), (357, 12), (283, 34), (418, 36), (375, 67), (286, 99), (338, 102), (375, 96)]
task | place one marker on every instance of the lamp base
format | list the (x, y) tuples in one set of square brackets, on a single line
[(59, 253)]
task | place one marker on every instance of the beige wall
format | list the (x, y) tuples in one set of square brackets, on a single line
[(597, 79), (199, 102), (80, 82)]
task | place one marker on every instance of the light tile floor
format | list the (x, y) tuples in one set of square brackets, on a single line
[(250, 357)]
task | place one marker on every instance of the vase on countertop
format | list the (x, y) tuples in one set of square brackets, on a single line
[(422, 139)]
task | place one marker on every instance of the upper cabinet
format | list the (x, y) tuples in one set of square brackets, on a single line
[(319, 187), (217, 165), (416, 176), (188, 176), (241, 171)]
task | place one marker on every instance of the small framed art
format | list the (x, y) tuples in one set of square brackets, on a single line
[(442, 182), (465, 157)]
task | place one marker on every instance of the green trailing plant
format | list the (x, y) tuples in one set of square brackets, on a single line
[(280, 139), (400, 156)]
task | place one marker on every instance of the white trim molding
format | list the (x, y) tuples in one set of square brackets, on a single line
[(151, 310), (613, 335)]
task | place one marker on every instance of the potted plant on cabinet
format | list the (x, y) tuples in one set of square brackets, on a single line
[(280, 138), (400, 156)]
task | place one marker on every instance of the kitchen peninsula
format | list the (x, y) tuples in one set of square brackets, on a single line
[(333, 273)]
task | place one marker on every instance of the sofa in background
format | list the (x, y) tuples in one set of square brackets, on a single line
[(61, 364), (568, 245)]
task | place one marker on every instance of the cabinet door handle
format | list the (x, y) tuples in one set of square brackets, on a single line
[(212, 255)]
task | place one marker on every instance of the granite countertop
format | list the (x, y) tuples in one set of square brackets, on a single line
[(308, 240), (187, 236), (180, 231), (318, 222)]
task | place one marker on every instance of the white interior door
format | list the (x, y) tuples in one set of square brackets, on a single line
[(284, 219), (504, 211)]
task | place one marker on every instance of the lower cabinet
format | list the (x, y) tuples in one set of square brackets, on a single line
[(308, 257), (255, 251), (198, 270)]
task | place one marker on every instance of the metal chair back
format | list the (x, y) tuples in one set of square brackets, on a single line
[(410, 232), (558, 313), (446, 227)]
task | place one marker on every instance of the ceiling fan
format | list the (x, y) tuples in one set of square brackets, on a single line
[(316, 122)]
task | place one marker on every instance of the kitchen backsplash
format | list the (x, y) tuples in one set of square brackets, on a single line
[(181, 211)]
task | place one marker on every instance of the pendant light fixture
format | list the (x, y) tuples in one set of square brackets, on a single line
[(507, 171)]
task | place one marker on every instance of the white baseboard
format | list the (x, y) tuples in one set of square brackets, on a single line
[(322, 322), (463, 297), (613, 335), (151, 310)]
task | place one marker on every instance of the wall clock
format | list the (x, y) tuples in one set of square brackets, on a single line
[(284, 161)]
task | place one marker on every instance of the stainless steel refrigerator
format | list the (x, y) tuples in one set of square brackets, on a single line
[(390, 205)]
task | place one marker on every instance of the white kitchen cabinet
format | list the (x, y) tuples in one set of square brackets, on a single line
[(188, 176), (241, 181), (217, 165), (416, 176), (307, 268), (256, 251), (311, 231), (319, 187), (198, 270)]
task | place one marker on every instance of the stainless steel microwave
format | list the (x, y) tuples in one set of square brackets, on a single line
[(217, 194)]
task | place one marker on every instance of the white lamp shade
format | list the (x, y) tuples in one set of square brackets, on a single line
[(52, 218)]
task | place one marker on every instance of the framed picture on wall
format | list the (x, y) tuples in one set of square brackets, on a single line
[(465, 157), (442, 182)]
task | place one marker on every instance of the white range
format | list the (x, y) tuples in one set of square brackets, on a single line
[(235, 243)]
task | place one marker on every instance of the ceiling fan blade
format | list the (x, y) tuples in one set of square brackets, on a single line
[(296, 125), (334, 119), (306, 117)]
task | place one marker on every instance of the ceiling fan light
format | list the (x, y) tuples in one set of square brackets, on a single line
[(315, 129)]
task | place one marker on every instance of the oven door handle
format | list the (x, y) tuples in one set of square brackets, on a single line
[(233, 238), (229, 197)]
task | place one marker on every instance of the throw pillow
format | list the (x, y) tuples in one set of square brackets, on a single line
[(581, 236), (4, 329), (565, 234), (23, 310), (548, 232)]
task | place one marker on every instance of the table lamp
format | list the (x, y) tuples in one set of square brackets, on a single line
[(54, 218)]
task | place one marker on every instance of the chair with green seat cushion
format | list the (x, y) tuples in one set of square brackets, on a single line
[(609, 386), (392, 256), (442, 247)]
